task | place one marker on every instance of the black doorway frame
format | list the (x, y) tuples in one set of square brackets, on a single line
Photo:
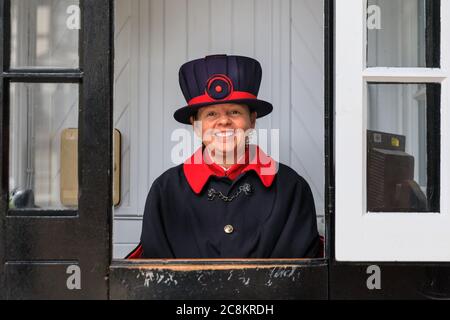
[(88, 242), (37, 246)]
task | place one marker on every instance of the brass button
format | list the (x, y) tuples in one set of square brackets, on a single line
[(228, 229)]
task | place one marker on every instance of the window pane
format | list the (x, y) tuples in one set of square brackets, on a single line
[(403, 148), (403, 33), (43, 146), (44, 33)]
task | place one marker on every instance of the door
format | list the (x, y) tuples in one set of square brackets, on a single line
[(391, 149), (56, 142)]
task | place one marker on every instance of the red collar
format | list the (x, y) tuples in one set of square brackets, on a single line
[(197, 172)]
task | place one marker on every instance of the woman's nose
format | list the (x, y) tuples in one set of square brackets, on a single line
[(224, 120)]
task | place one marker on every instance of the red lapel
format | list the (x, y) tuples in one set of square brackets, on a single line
[(198, 172)]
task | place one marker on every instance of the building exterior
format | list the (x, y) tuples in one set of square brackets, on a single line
[(360, 89)]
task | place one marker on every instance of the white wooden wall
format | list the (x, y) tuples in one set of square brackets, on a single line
[(155, 37)]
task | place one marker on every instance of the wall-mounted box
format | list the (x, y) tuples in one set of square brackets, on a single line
[(69, 167)]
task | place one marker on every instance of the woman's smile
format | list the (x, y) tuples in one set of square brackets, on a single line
[(225, 134)]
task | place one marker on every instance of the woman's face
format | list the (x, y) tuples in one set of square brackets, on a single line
[(224, 126)]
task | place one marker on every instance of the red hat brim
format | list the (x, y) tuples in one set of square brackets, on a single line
[(262, 108)]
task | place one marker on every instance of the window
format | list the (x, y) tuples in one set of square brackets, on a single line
[(403, 33), (43, 115), (391, 131), (43, 144), (153, 39), (403, 144), (54, 83), (44, 33)]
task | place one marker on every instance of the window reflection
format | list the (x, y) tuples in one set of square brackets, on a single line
[(44, 33), (43, 146), (403, 33), (403, 148)]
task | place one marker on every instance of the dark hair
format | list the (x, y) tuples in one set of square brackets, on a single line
[(195, 115)]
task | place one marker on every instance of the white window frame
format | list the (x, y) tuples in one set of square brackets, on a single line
[(362, 236)]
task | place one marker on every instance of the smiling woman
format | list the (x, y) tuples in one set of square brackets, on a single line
[(224, 131), (230, 199)]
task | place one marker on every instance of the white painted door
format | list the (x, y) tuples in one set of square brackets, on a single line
[(392, 76)]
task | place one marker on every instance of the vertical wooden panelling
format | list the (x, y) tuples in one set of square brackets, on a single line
[(175, 46), (126, 106), (122, 91), (156, 89), (221, 13), (263, 52), (307, 109), (281, 82), (143, 102), (243, 27), (198, 33), (133, 148)]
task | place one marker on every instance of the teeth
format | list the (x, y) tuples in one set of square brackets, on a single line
[(225, 134)]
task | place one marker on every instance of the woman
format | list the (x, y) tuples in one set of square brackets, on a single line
[(230, 199)]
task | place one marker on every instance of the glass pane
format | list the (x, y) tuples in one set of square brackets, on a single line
[(403, 33), (403, 147), (44, 33), (43, 146)]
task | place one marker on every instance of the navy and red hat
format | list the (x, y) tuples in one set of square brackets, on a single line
[(220, 79)]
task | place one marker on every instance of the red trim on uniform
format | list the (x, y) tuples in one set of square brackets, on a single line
[(322, 247), (264, 166), (136, 253), (235, 95), (197, 171)]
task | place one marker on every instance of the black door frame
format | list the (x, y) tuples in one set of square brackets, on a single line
[(88, 230), (79, 237)]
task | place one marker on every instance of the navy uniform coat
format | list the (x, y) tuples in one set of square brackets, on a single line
[(201, 211)]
